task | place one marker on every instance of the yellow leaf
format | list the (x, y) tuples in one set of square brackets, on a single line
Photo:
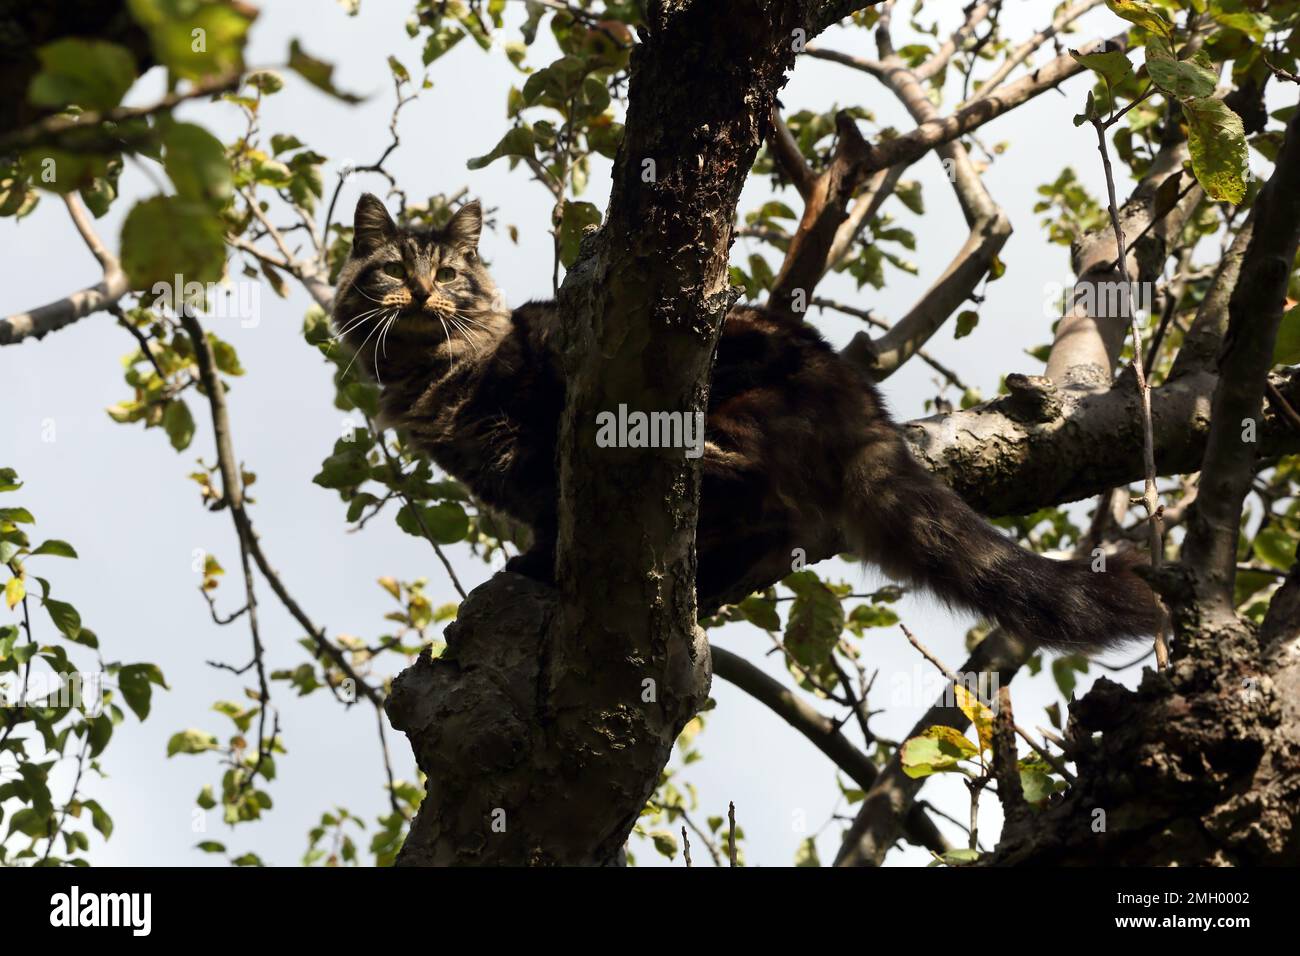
[(15, 591), (978, 714), (391, 586)]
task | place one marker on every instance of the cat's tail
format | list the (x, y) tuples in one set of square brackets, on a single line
[(918, 530)]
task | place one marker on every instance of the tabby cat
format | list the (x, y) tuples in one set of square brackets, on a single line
[(795, 437)]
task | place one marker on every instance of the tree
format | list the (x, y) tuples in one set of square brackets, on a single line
[(544, 718)]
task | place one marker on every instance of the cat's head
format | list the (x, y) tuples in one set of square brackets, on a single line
[(415, 286)]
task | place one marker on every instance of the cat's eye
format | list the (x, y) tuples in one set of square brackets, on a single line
[(395, 270), (446, 274)]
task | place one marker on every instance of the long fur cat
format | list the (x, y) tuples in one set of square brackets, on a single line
[(795, 437)]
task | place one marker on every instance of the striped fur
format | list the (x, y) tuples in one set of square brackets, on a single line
[(797, 440)]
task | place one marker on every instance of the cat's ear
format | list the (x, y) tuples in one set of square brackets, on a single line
[(372, 226), (466, 226)]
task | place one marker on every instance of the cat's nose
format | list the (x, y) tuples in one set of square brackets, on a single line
[(421, 290)]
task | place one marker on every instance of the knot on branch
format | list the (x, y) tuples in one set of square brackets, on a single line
[(1033, 398)]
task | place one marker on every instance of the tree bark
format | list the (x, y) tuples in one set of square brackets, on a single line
[(1201, 764), (544, 750)]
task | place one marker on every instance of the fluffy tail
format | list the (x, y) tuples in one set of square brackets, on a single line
[(917, 529)]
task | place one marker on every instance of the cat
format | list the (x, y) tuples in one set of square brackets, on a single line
[(796, 437)]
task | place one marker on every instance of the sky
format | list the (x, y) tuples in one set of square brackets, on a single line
[(121, 496)]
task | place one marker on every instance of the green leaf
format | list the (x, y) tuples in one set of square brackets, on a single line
[(952, 742), (816, 619), (1037, 785), (806, 855), (665, 843), (211, 846), (8, 637), (966, 323), (93, 74), (518, 142), (136, 683), (269, 82), (1275, 547), (29, 823), (101, 820), (9, 480), (179, 424), (99, 732), (196, 162), (1287, 349), (447, 522), (574, 222), (1180, 79), (1220, 155), (194, 38), (16, 515), (168, 236), (1112, 65), (870, 615), (926, 755), (54, 547), (343, 469), (761, 611), (317, 72), (65, 618), (1064, 669), (190, 742)]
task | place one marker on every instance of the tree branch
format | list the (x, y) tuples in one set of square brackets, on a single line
[(1255, 315), (56, 128), (49, 318), (821, 731)]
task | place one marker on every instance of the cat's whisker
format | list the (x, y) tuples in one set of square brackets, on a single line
[(361, 348), (473, 321), (383, 342), (385, 323), (470, 336), (353, 322)]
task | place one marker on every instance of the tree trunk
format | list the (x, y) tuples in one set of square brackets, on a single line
[(544, 727)]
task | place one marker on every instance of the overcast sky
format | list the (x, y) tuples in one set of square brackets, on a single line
[(120, 494)]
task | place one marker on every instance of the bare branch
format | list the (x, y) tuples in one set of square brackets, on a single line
[(50, 318), (970, 118), (1026, 49), (990, 230), (232, 490), (786, 153), (975, 15), (872, 67)]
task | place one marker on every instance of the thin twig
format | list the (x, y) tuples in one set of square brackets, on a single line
[(1150, 495)]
